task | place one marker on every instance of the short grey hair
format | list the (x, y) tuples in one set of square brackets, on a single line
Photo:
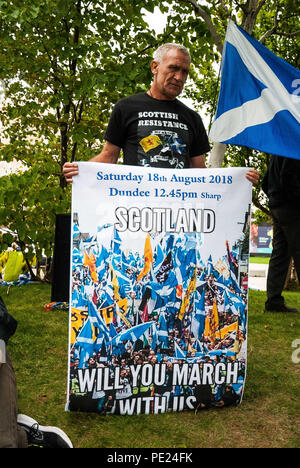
[(163, 49)]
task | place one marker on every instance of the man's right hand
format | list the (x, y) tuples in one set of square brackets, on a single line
[(69, 171)]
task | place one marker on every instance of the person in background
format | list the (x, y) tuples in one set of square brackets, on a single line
[(281, 184)]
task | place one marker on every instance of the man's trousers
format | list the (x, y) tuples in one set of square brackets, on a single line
[(286, 245), (11, 434)]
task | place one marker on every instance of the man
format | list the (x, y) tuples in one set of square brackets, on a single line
[(154, 128), (19, 431), (282, 186)]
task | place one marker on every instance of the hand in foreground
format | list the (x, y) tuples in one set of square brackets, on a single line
[(69, 171), (253, 176)]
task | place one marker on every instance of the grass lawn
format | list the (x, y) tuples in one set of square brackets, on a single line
[(260, 260), (269, 416)]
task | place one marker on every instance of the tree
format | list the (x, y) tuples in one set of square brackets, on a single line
[(64, 64), (274, 22)]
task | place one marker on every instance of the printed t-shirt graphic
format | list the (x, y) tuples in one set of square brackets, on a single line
[(156, 133), (163, 147)]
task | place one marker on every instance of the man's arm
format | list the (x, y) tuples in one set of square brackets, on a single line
[(198, 162), (109, 154)]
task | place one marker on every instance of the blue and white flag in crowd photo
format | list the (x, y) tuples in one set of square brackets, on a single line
[(259, 99), (158, 305)]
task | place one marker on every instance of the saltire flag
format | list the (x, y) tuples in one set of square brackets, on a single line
[(185, 261), (98, 343), (154, 341), (97, 319), (222, 352), (76, 231), (259, 104), (102, 262), (176, 144), (223, 283), (79, 298), (232, 262), (198, 319), (178, 353), (209, 266), (132, 334), (233, 269), (85, 342), (163, 331), (232, 302), (99, 228), (236, 306), (159, 258), (116, 243), (112, 331), (166, 291), (77, 257), (198, 347)]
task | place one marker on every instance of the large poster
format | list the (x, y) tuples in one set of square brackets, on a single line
[(158, 310)]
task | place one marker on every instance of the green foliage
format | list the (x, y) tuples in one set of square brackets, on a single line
[(281, 19), (27, 208), (260, 217), (275, 22), (64, 65)]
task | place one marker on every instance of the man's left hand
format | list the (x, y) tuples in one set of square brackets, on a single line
[(253, 176)]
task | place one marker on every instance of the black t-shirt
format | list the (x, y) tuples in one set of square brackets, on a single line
[(156, 133)]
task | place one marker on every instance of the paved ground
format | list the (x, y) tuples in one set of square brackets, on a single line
[(258, 276)]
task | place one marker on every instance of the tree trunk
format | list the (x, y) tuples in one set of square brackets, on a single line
[(250, 12), (292, 281), (217, 154)]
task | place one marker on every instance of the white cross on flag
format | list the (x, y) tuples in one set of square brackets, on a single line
[(259, 100)]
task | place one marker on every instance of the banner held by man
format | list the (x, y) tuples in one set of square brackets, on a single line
[(158, 314)]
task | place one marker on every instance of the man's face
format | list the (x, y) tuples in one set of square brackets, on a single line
[(170, 74)]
